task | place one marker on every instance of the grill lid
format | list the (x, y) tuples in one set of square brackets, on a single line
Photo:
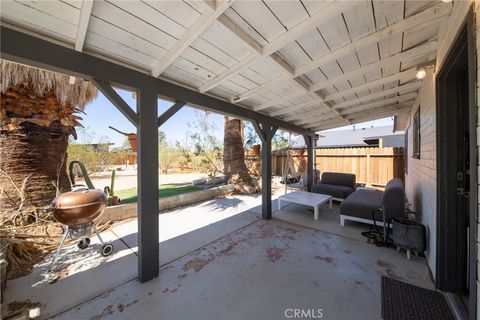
[(75, 199)]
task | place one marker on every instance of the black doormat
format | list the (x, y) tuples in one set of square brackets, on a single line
[(401, 301)]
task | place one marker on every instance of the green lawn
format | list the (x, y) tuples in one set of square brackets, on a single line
[(130, 195)]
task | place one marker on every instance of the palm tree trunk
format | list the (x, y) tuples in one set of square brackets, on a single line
[(234, 166), (33, 157)]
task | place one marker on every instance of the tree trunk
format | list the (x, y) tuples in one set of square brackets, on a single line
[(33, 156), (234, 166)]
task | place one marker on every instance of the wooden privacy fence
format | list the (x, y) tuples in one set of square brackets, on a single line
[(373, 166)]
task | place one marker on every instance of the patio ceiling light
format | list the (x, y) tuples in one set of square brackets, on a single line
[(421, 73), (423, 67), (446, 1)]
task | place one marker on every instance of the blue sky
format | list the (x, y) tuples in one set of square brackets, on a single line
[(100, 114)]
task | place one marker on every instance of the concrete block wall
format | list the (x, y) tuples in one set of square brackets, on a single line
[(127, 211)]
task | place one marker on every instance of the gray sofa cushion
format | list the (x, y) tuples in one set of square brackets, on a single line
[(361, 203), (335, 191), (394, 199), (339, 179)]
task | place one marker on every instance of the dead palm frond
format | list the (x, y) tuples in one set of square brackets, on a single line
[(40, 81)]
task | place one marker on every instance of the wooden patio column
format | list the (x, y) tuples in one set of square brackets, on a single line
[(147, 177), (310, 156), (266, 133)]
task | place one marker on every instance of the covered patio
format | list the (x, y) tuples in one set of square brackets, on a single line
[(226, 262), (301, 66)]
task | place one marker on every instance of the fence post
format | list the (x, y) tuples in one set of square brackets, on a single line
[(368, 182)]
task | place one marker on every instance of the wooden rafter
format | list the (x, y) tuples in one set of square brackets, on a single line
[(294, 114), (424, 18), (85, 13), (275, 101), (208, 17), (358, 118), (384, 112), (413, 86), (262, 87), (309, 119), (415, 52), (404, 75), (333, 9), (294, 108)]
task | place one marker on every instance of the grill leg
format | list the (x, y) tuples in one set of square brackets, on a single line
[(59, 248), (98, 235)]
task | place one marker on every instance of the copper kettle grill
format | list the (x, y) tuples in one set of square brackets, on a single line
[(77, 210)]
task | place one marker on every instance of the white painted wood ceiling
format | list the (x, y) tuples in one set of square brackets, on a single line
[(318, 64)]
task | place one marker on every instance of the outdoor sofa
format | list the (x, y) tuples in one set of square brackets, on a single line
[(360, 204), (335, 184)]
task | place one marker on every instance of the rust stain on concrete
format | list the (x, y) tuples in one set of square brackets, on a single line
[(228, 251), (384, 264), (107, 311), (274, 253), (197, 264), (326, 259)]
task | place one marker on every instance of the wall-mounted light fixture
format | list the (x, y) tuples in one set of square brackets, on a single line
[(423, 67), (421, 73)]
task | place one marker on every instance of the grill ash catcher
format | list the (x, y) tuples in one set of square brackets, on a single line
[(77, 210)]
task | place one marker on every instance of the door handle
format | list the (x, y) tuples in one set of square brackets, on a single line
[(462, 192)]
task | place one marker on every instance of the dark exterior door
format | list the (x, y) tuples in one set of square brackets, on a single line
[(456, 171)]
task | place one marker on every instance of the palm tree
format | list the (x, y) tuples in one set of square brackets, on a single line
[(37, 115), (234, 167)]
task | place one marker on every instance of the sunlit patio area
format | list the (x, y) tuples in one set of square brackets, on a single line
[(221, 259), (377, 225)]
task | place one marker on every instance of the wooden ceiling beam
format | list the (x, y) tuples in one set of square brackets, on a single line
[(413, 86), (204, 21), (391, 111), (424, 18), (331, 10), (85, 13), (294, 114), (311, 118), (404, 75), (264, 86), (317, 101), (278, 100), (416, 52)]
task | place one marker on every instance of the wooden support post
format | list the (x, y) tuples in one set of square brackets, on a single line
[(266, 133), (310, 151), (147, 175)]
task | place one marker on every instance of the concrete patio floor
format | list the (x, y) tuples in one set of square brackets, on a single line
[(220, 260)]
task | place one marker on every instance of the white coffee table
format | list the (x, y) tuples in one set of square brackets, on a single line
[(310, 199)]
